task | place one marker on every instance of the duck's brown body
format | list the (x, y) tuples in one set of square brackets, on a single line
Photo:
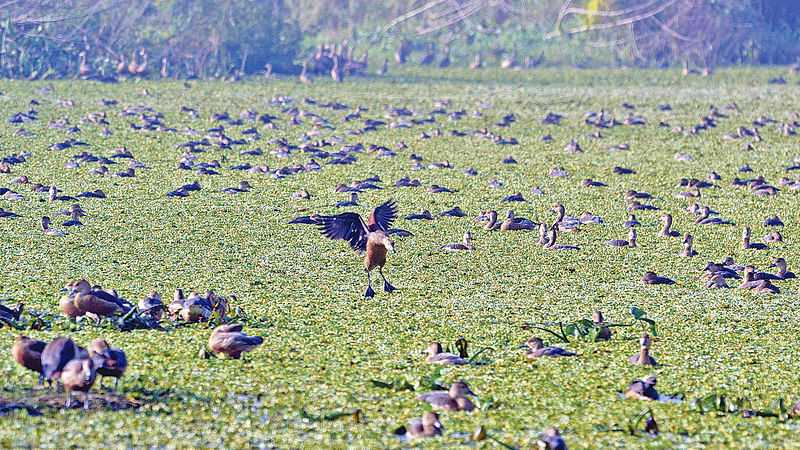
[(230, 340), (28, 353)]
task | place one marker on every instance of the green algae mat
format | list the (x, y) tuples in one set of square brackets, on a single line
[(339, 370)]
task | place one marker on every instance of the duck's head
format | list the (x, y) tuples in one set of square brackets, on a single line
[(644, 341), (434, 348), (650, 379), (81, 286), (460, 389), (100, 347), (648, 276), (597, 317), (431, 420), (779, 263), (688, 239), (534, 343)]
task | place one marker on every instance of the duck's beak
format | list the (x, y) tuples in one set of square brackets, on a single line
[(469, 391), (771, 266), (438, 424), (523, 346), (63, 290)]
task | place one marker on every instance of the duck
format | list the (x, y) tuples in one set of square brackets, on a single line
[(773, 236), (643, 389), (424, 215), (773, 221), (84, 68), (665, 230), (765, 287), (704, 218), (551, 440), (67, 303), (152, 306), (230, 340), (243, 186), (467, 245), (513, 223), (782, 272), (587, 218), (429, 57), (305, 78), (687, 251), (452, 400), (643, 358), (747, 245), (50, 231), (631, 222), (605, 333), (121, 65), (551, 242), (426, 427), (371, 237), (437, 356), (196, 308), (352, 202), (536, 350), (516, 197), (492, 223), (109, 361), (717, 281), (56, 354), (564, 223), (622, 242), (93, 301), (651, 278), (543, 239), (79, 375), (28, 353), (176, 306), (75, 213), (752, 280), (445, 61), (53, 196)]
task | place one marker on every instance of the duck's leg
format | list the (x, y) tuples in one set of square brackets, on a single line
[(116, 384), (370, 292), (101, 383), (41, 380), (86, 401), (386, 286), (69, 400)]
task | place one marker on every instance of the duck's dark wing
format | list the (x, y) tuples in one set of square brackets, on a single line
[(383, 216), (347, 226)]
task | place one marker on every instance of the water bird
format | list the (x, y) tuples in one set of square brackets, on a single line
[(78, 375), (643, 358), (438, 356), (230, 340), (426, 427), (782, 272), (467, 245), (652, 278), (665, 230), (452, 400), (56, 354), (551, 440), (50, 231), (108, 361), (687, 251), (28, 353), (643, 389), (536, 349), (622, 242)]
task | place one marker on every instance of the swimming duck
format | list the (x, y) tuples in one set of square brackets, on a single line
[(643, 389), (79, 375), (717, 281), (426, 427), (28, 353), (513, 223), (152, 306), (687, 251), (631, 222), (371, 237), (551, 440), (784, 274), (652, 278), (452, 400), (230, 340), (109, 361), (704, 218), (437, 356), (536, 350), (93, 301), (605, 332), (551, 242), (467, 245), (56, 354), (665, 230), (50, 231), (622, 242), (643, 358), (746, 244)]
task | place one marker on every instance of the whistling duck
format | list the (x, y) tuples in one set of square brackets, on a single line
[(93, 301), (79, 375), (652, 278), (492, 223), (717, 281), (243, 186), (729, 264), (513, 223), (452, 400), (352, 202), (174, 309), (56, 354), (372, 237), (643, 358), (765, 287), (687, 251), (622, 242), (536, 350), (467, 245), (230, 340), (109, 361), (551, 242), (746, 244), (587, 218), (8, 214), (773, 221), (665, 230), (196, 308), (429, 57), (542, 240), (428, 426), (704, 218), (425, 214), (28, 353), (759, 282), (643, 389), (74, 214), (773, 236), (631, 222), (564, 223), (605, 333), (304, 77), (50, 231), (67, 302), (780, 263), (133, 65), (54, 196), (437, 356), (152, 306), (445, 61), (84, 68), (121, 65), (552, 440), (336, 73)]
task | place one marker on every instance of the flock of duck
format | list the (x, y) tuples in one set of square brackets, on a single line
[(75, 367)]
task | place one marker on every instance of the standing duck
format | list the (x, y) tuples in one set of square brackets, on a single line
[(467, 245), (56, 354), (109, 361), (28, 353), (304, 77), (665, 230), (687, 251), (644, 389), (372, 237), (79, 375), (536, 350), (452, 400), (230, 340), (643, 358), (437, 356)]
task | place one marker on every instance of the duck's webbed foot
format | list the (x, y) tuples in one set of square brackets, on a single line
[(370, 292), (386, 286)]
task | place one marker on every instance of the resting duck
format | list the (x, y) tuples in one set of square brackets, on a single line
[(467, 245), (230, 340), (452, 400), (717, 281), (605, 332), (152, 306), (687, 251), (762, 284), (622, 242), (773, 221), (536, 350), (652, 278), (424, 215), (551, 242), (28, 353), (747, 245), (631, 222), (513, 223), (563, 222), (492, 223), (50, 231), (643, 389), (704, 218), (428, 426), (551, 440), (665, 231), (437, 356), (782, 272), (643, 358), (93, 301)]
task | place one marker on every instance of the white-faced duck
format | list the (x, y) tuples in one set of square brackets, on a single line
[(437, 356), (536, 349), (687, 251), (108, 361), (79, 375), (747, 245), (643, 358), (452, 400), (644, 389), (622, 242), (426, 427), (56, 354), (551, 440), (230, 340), (28, 353), (652, 278), (665, 230), (50, 231), (467, 245), (371, 236), (783, 272)]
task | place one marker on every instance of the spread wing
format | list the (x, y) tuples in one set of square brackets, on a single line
[(347, 226), (383, 216)]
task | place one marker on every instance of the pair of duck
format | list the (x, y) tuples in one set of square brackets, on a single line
[(195, 308), (77, 369), (511, 223), (83, 299)]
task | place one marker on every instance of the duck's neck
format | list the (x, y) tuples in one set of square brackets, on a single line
[(782, 270), (492, 220), (644, 355), (748, 276), (745, 241), (551, 237), (667, 225), (561, 213)]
